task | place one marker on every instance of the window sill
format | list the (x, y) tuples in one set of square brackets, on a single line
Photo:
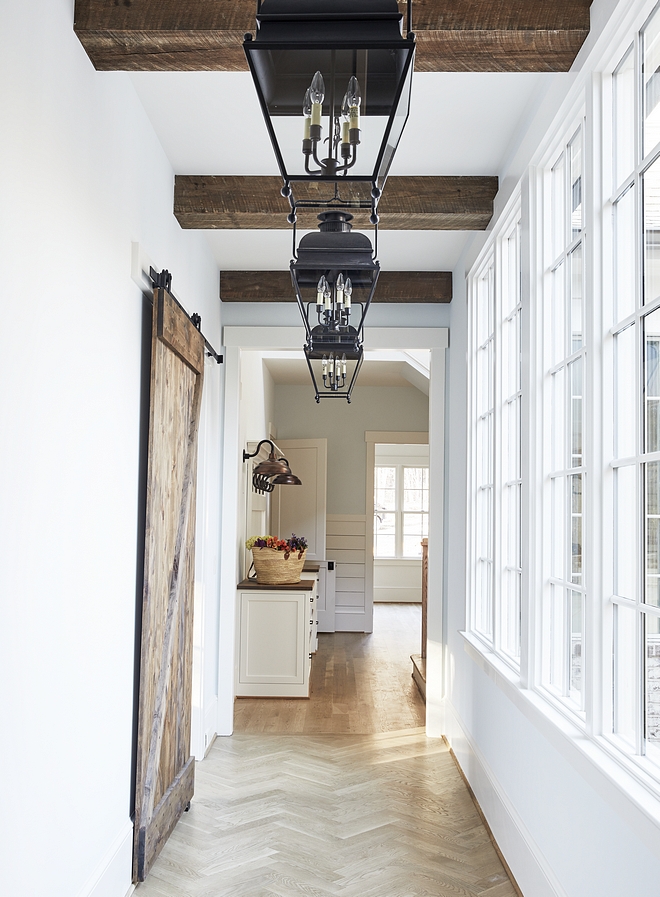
[(633, 794), (390, 560)]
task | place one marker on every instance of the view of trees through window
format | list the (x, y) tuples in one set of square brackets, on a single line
[(401, 510)]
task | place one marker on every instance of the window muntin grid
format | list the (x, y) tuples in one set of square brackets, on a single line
[(484, 450), (496, 328), (563, 614), (401, 510), (510, 579), (635, 450)]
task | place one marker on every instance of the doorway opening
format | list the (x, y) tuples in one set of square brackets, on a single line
[(247, 420)]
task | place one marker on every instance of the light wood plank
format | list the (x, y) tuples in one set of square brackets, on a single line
[(349, 584), (347, 599), (346, 556), (350, 570), (345, 527), (346, 541)]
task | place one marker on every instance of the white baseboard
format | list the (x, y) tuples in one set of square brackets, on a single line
[(113, 874), (204, 728), (210, 725), (523, 855)]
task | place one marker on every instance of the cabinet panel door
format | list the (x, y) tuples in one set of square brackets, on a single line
[(273, 637)]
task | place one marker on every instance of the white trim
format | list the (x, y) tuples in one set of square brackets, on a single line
[(113, 873), (370, 492), (529, 866), (399, 562), (393, 437), (401, 338), (436, 657), (229, 544), (629, 797)]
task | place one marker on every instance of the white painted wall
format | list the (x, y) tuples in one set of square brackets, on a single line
[(81, 177), (398, 580), (372, 408)]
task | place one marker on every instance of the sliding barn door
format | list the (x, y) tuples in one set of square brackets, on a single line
[(165, 769)]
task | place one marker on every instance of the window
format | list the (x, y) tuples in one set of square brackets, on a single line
[(511, 455), (496, 402), (634, 446), (401, 510), (484, 467), (564, 352)]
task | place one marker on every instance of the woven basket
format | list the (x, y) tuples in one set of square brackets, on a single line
[(272, 568)]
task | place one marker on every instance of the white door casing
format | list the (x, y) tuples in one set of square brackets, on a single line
[(291, 338)]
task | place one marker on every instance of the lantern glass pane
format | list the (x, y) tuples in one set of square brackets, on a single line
[(282, 77)]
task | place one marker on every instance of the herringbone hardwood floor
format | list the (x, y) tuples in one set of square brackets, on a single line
[(386, 815), (378, 814)]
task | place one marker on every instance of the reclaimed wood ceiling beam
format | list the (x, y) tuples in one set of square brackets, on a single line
[(408, 203), (452, 35), (392, 286)]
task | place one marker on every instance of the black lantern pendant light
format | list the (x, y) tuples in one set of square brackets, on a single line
[(334, 276), (334, 80)]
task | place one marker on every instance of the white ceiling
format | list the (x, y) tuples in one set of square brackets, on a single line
[(460, 124)]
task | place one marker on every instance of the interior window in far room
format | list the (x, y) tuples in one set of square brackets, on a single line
[(401, 500)]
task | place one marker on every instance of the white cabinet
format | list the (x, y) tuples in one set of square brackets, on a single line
[(277, 637)]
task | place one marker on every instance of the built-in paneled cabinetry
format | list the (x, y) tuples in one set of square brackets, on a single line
[(277, 638)]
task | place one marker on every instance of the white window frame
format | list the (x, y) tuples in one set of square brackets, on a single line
[(491, 273), (618, 771), (633, 751), (398, 512), (560, 259)]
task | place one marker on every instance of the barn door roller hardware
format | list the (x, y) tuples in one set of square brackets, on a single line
[(163, 280)]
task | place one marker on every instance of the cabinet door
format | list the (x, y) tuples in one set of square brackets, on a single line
[(273, 644), (302, 509)]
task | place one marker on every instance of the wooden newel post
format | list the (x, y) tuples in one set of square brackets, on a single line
[(425, 591)]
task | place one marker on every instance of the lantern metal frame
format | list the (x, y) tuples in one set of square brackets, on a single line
[(332, 25)]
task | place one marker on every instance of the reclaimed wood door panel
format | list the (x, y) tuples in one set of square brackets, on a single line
[(165, 769)]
